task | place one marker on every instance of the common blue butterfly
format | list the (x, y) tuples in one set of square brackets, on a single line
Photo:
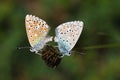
[(37, 30), (67, 35)]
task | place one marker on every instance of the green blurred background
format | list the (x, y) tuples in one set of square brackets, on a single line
[(99, 41)]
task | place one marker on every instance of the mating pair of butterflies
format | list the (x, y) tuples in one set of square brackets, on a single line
[(66, 35)]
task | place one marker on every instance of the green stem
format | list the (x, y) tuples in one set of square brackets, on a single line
[(102, 46)]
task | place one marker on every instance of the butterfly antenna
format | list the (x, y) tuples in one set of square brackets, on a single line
[(81, 53), (23, 47)]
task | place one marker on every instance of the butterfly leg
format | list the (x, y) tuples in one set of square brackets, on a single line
[(48, 39)]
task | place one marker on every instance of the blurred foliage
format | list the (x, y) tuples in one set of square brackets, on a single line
[(100, 40)]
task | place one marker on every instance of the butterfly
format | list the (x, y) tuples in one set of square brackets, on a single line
[(67, 35), (37, 31)]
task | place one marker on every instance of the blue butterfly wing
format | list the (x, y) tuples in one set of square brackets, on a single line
[(67, 35)]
